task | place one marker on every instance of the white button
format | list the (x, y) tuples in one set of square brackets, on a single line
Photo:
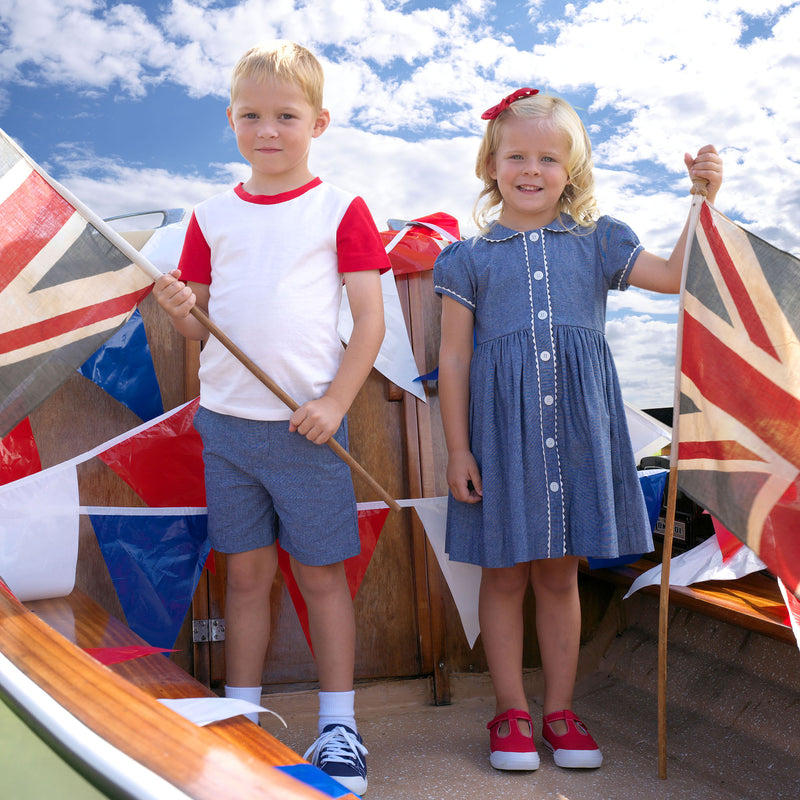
[(542, 315), (538, 275), (545, 356), (554, 486), (534, 237), (548, 400), (550, 442)]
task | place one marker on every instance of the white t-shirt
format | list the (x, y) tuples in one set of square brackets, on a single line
[(273, 265)]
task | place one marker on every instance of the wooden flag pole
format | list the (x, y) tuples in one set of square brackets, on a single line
[(292, 404), (155, 273), (663, 609), (698, 191)]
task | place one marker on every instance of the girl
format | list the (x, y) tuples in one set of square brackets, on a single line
[(540, 464)]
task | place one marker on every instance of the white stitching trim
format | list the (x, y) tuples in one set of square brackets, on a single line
[(555, 414), (454, 295), (623, 277)]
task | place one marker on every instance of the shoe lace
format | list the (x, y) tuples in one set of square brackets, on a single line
[(337, 744)]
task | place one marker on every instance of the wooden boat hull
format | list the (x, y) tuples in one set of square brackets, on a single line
[(120, 737)]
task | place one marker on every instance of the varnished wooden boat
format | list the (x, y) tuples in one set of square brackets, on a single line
[(108, 723)]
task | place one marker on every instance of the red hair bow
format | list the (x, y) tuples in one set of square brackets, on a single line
[(495, 111)]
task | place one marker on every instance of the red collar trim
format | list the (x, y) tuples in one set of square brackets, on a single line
[(273, 199)]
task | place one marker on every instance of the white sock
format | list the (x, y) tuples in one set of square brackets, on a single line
[(250, 693), (337, 708)]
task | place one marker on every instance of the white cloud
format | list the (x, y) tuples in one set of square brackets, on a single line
[(81, 43), (109, 187), (644, 352), (653, 80)]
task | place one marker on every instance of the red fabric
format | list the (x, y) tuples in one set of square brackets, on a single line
[(729, 545), (358, 243), (163, 464), (116, 655), (370, 524), (195, 259), (420, 246), (19, 455)]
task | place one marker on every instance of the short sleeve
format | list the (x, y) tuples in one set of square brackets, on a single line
[(359, 246), (195, 260), (453, 274), (619, 248)]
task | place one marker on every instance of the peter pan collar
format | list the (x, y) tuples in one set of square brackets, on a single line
[(499, 233)]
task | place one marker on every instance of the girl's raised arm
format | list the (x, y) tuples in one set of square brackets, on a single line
[(664, 275)]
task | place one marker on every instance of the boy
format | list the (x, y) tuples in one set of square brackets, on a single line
[(266, 260)]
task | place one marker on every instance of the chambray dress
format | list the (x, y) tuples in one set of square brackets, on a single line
[(547, 420)]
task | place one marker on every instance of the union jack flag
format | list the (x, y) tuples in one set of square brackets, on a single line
[(64, 287), (739, 412)]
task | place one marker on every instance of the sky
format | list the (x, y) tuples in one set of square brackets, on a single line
[(124, 104)]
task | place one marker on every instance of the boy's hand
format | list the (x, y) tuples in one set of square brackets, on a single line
[(464, 477), (317, 420), (174, 296), (706, 166)]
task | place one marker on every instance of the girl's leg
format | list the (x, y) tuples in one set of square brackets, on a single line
[(331, 623), (247, 614), (500, 613), (558, 625)]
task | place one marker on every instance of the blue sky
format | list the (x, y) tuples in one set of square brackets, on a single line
[(124, 103)]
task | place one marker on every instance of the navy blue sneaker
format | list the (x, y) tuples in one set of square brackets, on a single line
[(339, 752)]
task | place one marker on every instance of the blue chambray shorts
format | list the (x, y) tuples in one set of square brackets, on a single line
[(264, 484)]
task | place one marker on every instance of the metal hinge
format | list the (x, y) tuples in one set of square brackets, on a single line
[(208, 630)]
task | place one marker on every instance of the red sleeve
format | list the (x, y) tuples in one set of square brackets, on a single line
[(358, 243), (195, 261)]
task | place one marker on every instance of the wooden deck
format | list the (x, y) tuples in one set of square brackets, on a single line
[(753, 602)]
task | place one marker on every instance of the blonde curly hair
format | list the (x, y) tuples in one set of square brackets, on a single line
[(578, 198)]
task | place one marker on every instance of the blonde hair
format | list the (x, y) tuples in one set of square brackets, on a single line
[(578, 198), (283, 61)]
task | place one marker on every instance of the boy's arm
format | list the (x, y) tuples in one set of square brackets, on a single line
[(178, 299), (319, 419)]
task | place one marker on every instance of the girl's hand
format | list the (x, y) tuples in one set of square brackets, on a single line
[(174, 296), (464, 477), (317, 420), (705, 167)]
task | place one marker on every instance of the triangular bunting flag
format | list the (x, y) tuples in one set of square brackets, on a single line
[(155, 563), (19, 455), (116, 655), (123, 367), (163, 462), (39, 518), (463, 580), (370, 524)]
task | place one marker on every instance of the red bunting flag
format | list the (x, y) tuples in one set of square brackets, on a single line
[(163, 461), (19, 455), (370, 525), (739, 422), (116, 655)]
